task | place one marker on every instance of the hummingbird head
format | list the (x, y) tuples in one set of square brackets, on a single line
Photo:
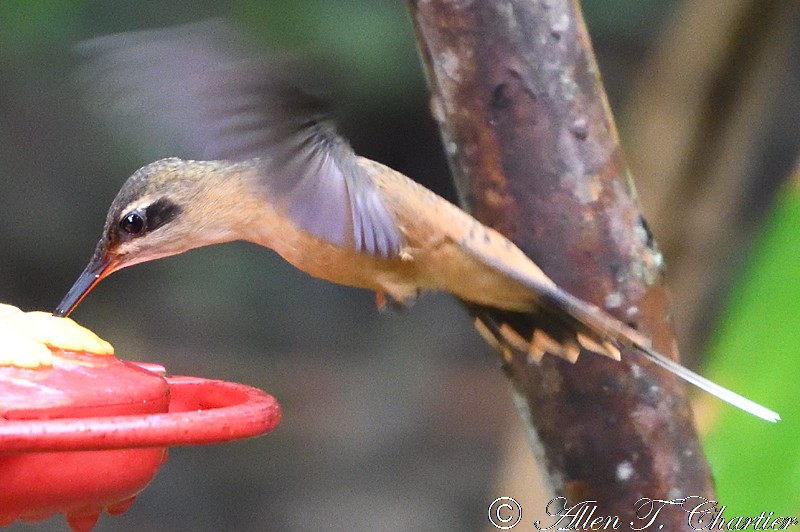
[(164, 208)]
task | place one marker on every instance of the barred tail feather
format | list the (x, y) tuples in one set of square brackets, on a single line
[(563, 323)]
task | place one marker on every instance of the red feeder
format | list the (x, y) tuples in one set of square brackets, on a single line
[(88, 434)]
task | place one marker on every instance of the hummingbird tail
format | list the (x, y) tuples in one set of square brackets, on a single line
[(713, 388), (561, 324)]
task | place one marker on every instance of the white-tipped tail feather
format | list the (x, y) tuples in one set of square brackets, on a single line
[(608, 328), (563, 322), (713, 388)]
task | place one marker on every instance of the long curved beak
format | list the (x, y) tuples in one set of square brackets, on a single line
[(99, 267)]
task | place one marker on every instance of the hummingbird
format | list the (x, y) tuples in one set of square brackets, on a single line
[(273, 170)]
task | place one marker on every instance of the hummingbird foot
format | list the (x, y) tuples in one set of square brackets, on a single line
[(386, 302)]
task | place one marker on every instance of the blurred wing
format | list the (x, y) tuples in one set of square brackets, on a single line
[(200, 85)]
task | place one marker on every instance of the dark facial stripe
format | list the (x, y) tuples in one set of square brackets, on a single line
[(160, 212)]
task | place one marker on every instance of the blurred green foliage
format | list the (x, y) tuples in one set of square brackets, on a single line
[(757, 464), (361, 40), (27, 25)]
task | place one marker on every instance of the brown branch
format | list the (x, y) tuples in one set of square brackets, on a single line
[(534, 151)]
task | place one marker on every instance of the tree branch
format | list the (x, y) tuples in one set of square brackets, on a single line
[(535, 154)]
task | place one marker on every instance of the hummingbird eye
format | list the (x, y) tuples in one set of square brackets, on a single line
[(147, 218), (133, 223)]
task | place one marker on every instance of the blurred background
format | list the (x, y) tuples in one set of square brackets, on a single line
[(403, 420)]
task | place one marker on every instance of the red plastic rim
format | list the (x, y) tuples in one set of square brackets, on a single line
[(201, 411)]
